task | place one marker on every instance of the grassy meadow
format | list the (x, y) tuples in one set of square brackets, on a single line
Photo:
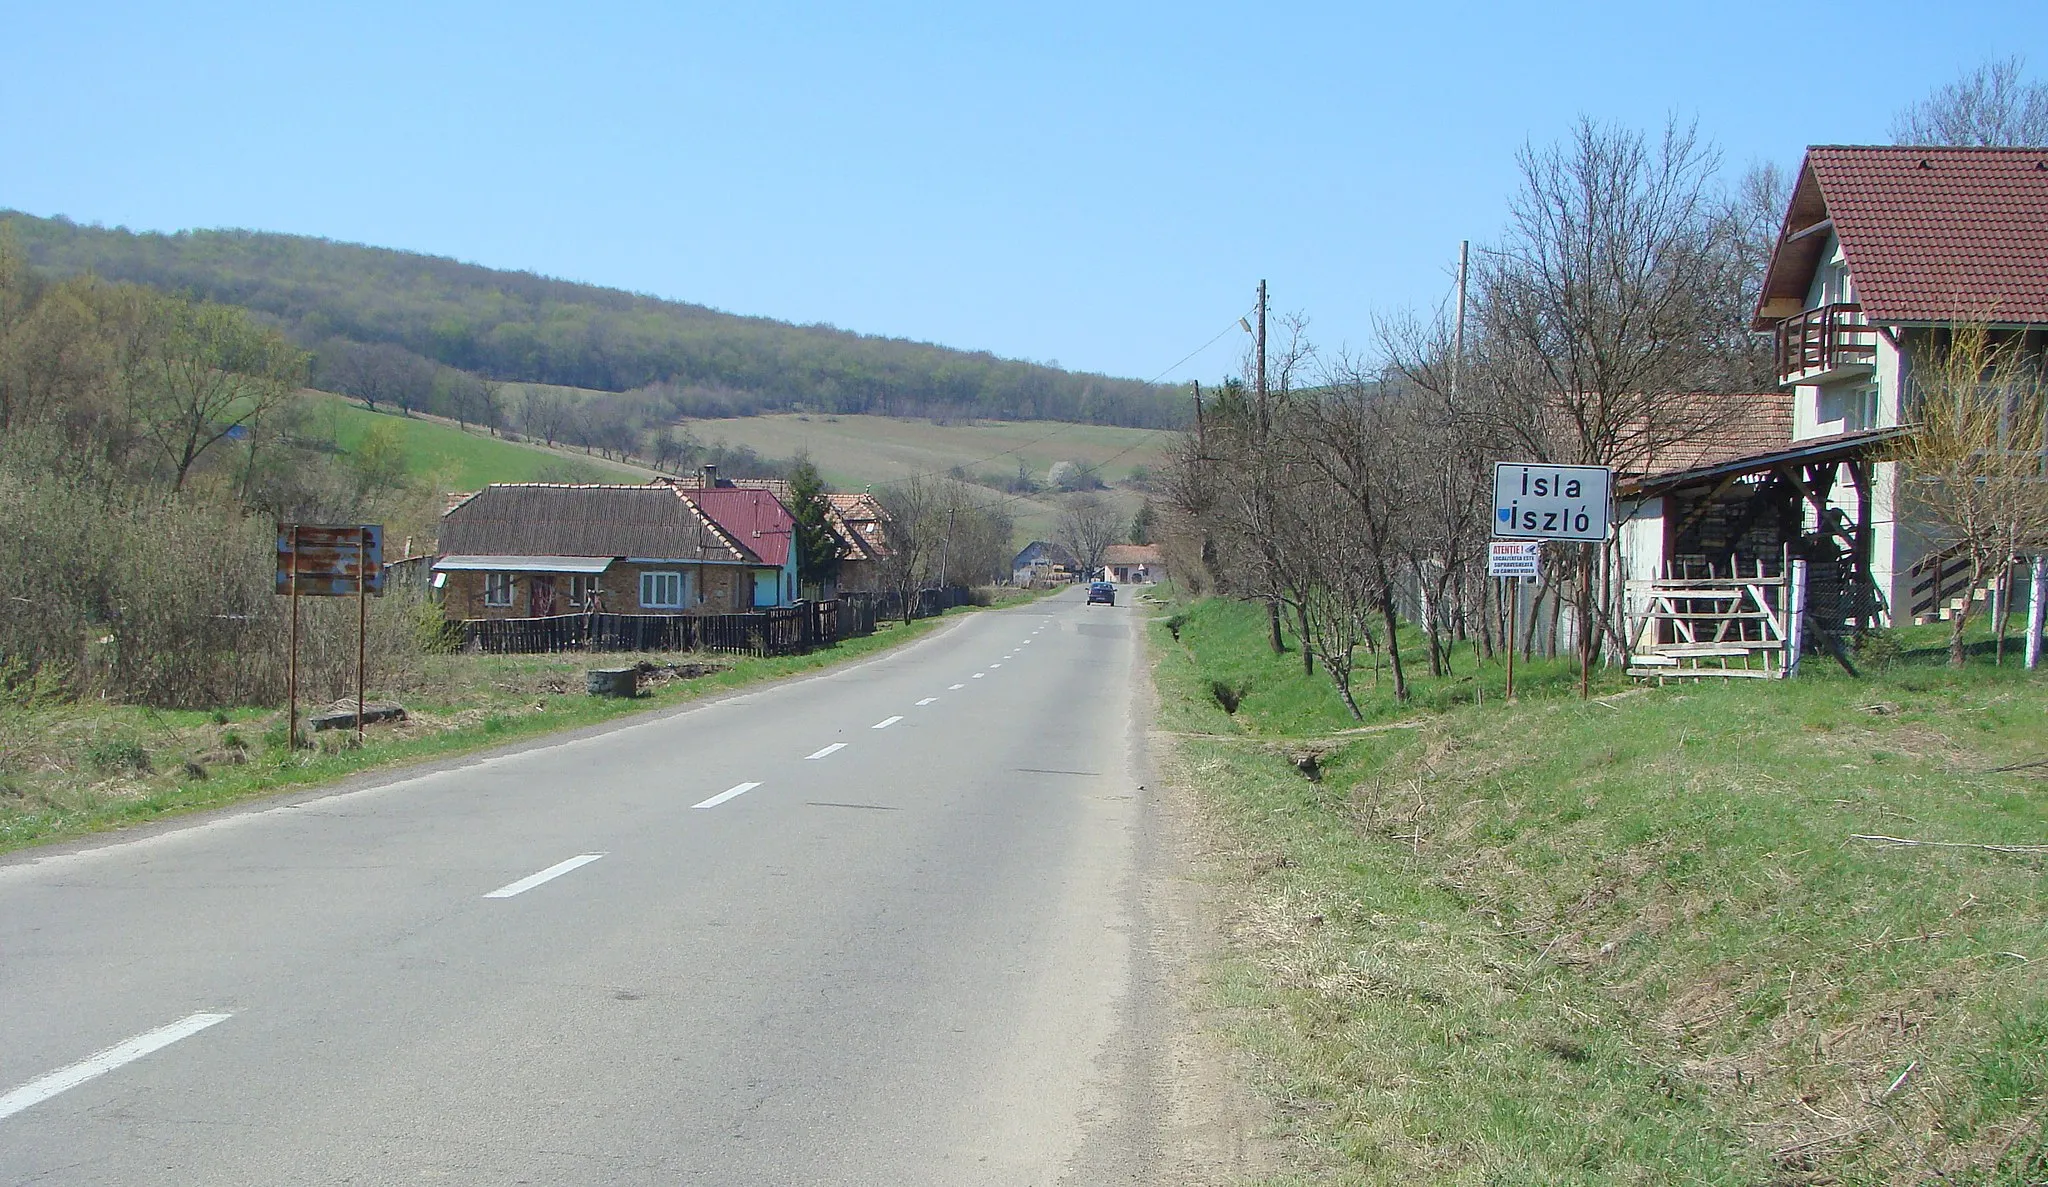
[(1654, 937), (446, 455), (856, 451), (852, 450)]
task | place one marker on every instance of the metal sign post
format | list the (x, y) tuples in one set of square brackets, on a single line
[(1512, 560), (292, 669), (329, 560)]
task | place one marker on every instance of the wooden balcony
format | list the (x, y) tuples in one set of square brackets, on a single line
[(1824, 343)]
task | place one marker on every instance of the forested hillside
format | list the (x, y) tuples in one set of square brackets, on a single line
[(519, 327)]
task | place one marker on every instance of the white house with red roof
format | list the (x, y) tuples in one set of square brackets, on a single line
[(1883, 248)]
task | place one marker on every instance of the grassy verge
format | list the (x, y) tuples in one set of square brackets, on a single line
[(1635, 940), (67, 769)]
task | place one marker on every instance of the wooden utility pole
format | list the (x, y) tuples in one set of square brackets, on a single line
[(1458, 333), (1262, 349), (1265, 426)]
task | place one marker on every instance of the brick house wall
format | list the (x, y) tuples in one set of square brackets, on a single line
[(727, 589)]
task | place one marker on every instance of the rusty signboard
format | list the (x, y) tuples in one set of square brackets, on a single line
[(321, 560), (329, 560)]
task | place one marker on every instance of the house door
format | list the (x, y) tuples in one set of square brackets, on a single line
[(540, 598)]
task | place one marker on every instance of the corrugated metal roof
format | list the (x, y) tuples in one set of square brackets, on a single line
[(526, 564), (756, 518), (534, 519)]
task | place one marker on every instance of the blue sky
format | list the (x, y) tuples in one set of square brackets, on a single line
[(1097, 184)]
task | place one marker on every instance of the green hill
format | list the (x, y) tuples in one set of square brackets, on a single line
[(522, 328)]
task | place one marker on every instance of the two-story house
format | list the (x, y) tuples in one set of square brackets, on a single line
[(1882, 249)]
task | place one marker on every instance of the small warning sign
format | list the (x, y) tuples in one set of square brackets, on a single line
[(1515, 558)]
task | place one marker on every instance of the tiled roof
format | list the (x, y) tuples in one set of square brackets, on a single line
[(1864, 443), (562, 519), (1733, 426), (1929, 234), (1132, 554), (860, 518)]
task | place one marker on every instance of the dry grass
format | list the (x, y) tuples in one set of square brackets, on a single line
[(1636, 942)]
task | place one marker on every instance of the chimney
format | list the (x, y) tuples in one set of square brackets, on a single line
[(710, 475)]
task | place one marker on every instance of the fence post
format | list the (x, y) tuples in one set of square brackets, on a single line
[(2038, 590), (1795, 617)]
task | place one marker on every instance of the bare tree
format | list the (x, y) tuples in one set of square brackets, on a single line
[(1353, 444), (1606, 311), (545, 414), (1974, 464), (1993, 105), (1341, 597), (1088, 525)]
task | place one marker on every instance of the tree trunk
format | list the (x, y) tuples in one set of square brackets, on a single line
[(1962, 618), (1344, 691), (2003, 622), (1273, 624), (1393, 643), (1308, 655)]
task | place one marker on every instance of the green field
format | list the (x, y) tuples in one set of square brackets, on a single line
[(1757, 932), (454, 459), (859, 451), (852, 450)]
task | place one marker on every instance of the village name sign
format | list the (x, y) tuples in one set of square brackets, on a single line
[(1542, 502)]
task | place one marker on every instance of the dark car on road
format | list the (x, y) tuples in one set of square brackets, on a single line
[(1102, 591)]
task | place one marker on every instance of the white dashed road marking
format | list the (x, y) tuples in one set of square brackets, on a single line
[(727, 794), (832, 749), (955, 687), (37, 1091), (886, 722), (547, 875), (928, 700)]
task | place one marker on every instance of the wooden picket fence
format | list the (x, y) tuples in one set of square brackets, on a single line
[(790, 630)]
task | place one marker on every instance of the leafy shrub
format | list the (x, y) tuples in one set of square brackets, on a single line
[(113, 755)]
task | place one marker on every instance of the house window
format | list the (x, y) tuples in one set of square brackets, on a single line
[(661, 590), (581, 586), (498, 589), (1863, 408)]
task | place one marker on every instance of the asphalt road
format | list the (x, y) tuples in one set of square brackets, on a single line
[(879, 926)]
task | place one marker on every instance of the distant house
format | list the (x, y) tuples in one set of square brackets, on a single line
[(1125, 563), (861, 521), (1041, 563), (533, 550)]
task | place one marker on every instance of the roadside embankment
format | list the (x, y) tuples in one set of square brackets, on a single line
[(1754, 932)]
